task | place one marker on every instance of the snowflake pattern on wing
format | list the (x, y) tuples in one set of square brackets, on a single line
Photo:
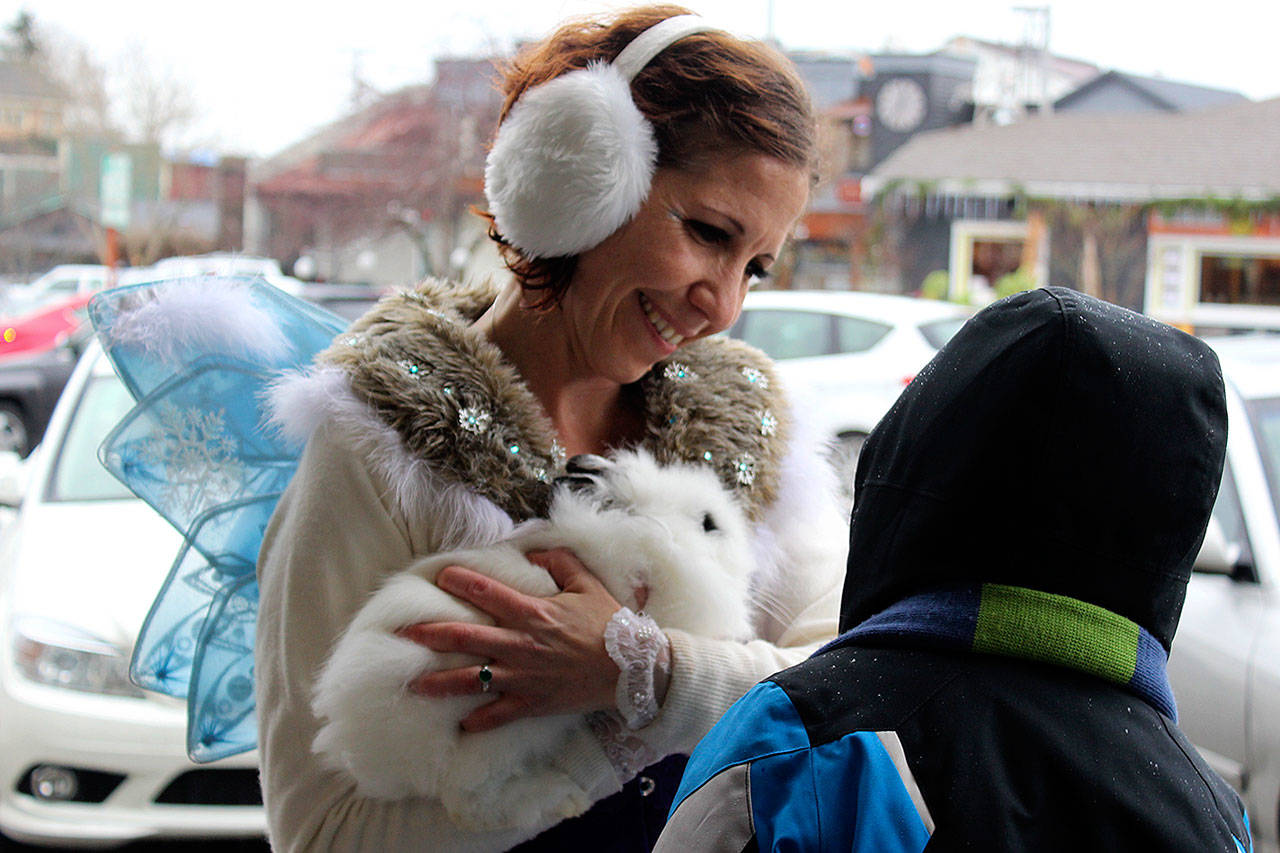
[(199, 455)]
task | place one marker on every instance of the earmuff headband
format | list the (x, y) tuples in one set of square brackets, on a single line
[(644, 47), (573, 161)]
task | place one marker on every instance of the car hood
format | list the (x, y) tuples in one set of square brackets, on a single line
[(96, 565), (1057, 442)]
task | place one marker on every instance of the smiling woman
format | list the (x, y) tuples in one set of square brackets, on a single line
[(646, 171)]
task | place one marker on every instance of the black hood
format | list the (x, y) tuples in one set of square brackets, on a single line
[(1058, 442)]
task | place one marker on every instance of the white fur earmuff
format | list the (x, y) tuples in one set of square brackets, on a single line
[(573, 160)]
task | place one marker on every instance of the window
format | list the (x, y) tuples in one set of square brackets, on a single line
[(78, 475), (63, 285), (1226, 511), (786, 334), (939, 332), (857, 335), (1240, 278), (1265, 415)]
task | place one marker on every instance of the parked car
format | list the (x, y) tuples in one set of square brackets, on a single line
[(29, 389), (59, 283), (37, 354), (348, 301), (43, 329), (846, 356), (1225, 663), (224, 264), (86, 758)]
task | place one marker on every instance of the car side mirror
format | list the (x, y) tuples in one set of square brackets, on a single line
[(1217, 555)]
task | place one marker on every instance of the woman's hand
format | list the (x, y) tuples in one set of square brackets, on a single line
[(547, 655)]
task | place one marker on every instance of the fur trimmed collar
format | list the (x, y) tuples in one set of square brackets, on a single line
[(459, 406)]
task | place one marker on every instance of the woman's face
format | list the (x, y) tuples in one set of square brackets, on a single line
[(680, 269)]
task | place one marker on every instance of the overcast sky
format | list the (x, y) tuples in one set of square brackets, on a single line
[(266, 72)]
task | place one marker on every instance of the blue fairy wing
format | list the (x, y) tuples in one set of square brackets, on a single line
[(199, 356)]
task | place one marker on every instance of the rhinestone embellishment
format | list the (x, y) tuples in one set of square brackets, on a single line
[(744, 470), (768, 423), (756, 377), (677, 372), (474, 420)]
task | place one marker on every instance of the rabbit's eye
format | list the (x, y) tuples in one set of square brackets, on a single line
[(709, 523)]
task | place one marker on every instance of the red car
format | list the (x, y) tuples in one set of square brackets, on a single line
[(37, 352), (44, 329)]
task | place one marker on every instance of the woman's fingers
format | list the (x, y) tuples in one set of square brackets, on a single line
[(565, 569), (463, 681), (470, 681), (500, 601), (511, 683), (486, 641)]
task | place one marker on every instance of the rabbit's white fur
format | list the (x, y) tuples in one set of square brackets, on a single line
[(673, 530)]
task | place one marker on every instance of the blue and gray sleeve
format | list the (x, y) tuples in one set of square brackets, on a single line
[(758, 782)]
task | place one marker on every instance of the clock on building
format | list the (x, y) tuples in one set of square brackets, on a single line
[(901, 104)]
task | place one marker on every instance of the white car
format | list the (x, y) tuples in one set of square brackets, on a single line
[(61, 282), (1225, 663), (225, 264), (846, 356), (86, 758)]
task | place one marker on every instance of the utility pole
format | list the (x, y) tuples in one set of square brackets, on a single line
[(1034, 56)]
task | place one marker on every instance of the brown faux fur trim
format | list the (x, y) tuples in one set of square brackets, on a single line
[(459, 405)]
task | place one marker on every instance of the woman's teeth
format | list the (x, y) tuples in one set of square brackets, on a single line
[(664, 329)]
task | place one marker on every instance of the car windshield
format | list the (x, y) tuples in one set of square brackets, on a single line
[(1265, 415), (938, 332), (77, 473)]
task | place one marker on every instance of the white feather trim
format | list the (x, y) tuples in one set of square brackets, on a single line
[(207, 314), (301, 401), (803, 538), (571, 163)]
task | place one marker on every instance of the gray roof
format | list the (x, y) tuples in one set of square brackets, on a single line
[(830, 79), (1224, 152), (1187, 96), (1161, 93)]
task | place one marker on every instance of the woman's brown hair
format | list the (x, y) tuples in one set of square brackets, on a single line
[(707, 94)]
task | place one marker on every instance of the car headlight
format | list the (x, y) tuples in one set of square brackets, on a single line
[(59, 655)]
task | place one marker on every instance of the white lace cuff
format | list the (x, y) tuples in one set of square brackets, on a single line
[(627, 754), (638, 646)]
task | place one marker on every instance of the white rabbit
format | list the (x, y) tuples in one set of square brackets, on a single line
[(672, 530)]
